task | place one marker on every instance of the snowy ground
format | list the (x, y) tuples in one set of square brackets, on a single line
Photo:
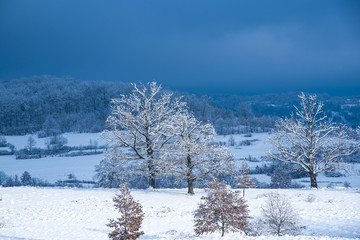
[(83, 167), (50, 213), (54, 213)]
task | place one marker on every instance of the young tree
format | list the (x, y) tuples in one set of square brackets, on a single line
[(244, 180), (109, 172), (136, 127), (192, 155), (221, 210), (26, 179), (309, 141), (278, 215), (31, 143), (129, 223), (280, 178), (17, 182), (2, 141)]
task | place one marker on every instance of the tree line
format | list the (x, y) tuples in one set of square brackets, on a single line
[(48, 104)]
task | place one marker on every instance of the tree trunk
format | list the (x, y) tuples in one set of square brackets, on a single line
[(190, 179), (222, 227), (152, 173), (152, 181), (313, 180), (150, 161), (190, 186)]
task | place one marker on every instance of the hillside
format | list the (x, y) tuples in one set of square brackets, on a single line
[(48, 104)]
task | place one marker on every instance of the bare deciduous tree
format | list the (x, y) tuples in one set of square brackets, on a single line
[(221, 211), (31, 143), (136, 128), (309, 141), (129, 223), (278, 215)]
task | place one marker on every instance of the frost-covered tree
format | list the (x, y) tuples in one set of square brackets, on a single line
[(26, 179), (244, 180), (3, 178), (17, 181), (136, 128), (50, 127), (56, 142), (309, 141), (278, 215), (281, 178), (128, 225), (2, 141), (221, 211), (108, 173), (231, 141), (192, 155)]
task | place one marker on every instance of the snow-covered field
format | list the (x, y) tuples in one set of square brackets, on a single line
[(50, 213), (28, 213), (55, 168), (83, 167)]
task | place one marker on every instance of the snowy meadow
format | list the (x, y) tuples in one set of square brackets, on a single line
[(53, 213), (331, 212)]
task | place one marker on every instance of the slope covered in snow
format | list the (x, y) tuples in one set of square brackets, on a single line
[(50, 213)]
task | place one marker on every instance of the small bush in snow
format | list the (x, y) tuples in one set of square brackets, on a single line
[(347, 184), (131, 216), (221, 211), (278, 215)]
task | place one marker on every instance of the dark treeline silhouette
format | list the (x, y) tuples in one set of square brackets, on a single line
[(339, 109), (55, 104), (51, 105)]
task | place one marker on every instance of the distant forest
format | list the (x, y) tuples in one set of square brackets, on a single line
[(48, 105)]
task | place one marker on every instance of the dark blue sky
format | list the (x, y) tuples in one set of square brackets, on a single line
[(205, 46)]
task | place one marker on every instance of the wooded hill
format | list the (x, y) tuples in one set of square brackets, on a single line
[(49, 104)]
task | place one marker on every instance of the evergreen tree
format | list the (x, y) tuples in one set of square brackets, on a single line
[(17, 181), (244, 180), (221, 211), (280, 178), (25, 178), (127, 226)]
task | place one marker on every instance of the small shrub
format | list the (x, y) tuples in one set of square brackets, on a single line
[(334, 174), (347, 184), (279, 216)]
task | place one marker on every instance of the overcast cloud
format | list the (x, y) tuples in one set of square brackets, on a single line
[(239, 47)]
